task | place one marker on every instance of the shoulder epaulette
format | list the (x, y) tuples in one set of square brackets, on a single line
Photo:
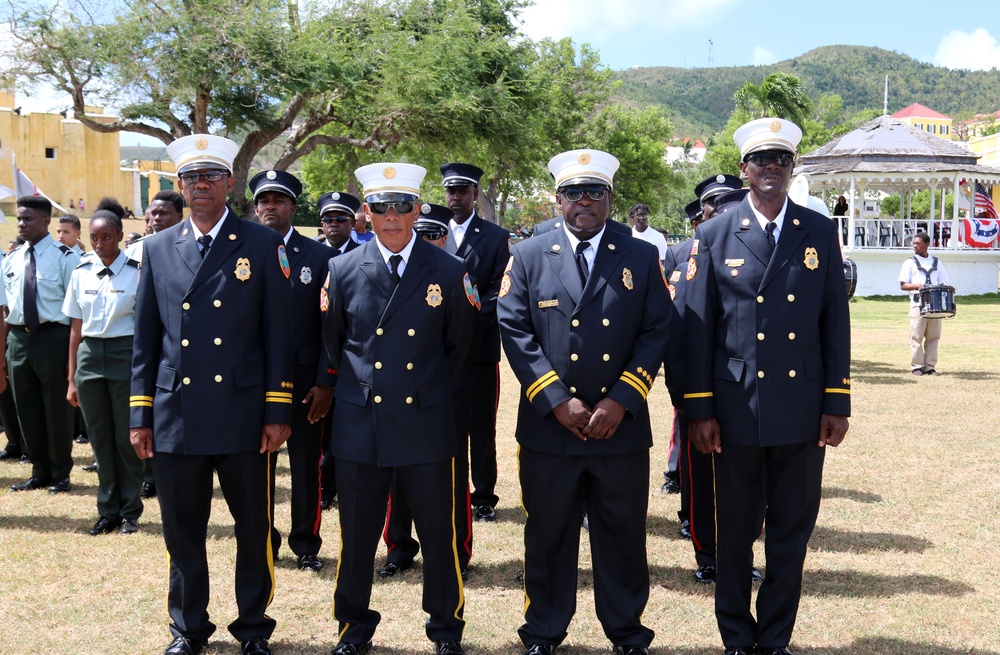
[(131, 262), (66, 249), (86, 262)]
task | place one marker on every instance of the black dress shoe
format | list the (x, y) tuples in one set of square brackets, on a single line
[(82, 438), (393, 568), (344, 648), (756, 575), (449, 648), (129, 526), (309, 563), (740, 650), (6, 454), (60, 486), (671, 483), (686, 528), (327, 502), (255, 646), (90, 468), (774, 651), (631, 650), (184, 646), (705, 574), (147, 490), (540, 649), (30, 484), (24, 460), (103, 526), (483, 513)]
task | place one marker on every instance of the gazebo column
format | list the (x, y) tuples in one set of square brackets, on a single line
[(954, 216), (851, 223), (930, 215)]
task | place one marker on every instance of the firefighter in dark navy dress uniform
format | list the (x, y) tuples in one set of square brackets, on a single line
[(584, 316), (212, 389), (767, 337), (274, 194), (398, 329)]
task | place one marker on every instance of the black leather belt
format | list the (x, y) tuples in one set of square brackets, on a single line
[(41, 328)]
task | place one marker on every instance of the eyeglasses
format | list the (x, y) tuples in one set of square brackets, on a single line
[(763, 159), (210, 176), (381, 208), (432, 236), (575, 193), (339, 219)]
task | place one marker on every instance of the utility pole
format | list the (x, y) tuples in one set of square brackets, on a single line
[(710, 52)]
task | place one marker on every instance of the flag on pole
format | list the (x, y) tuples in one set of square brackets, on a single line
[(984, 203), (25, 187)]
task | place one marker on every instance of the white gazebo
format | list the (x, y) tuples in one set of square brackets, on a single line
[(887, 156)]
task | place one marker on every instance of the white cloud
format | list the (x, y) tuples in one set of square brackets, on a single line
[(600, 21), (976, 51), (763, 57)]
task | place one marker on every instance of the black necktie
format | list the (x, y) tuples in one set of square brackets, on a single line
[(106, 271), (394, 261), (31, 292), (206, 243), (581, 261), (770, 234)]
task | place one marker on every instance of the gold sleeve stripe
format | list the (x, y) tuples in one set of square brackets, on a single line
[(627, 376), (847, 391), (140, 403), (540, 384), (638, 387), (704, 394), (149, 398), (283, 394), (277, 400)]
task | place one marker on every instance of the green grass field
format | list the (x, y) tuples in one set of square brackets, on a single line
[(904, 560)]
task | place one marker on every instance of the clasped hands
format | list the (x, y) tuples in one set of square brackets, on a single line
[(584, 423)]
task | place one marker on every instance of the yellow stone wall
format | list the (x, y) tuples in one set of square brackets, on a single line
[(87, 163)]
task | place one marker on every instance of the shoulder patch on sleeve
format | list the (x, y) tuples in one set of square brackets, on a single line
[(283, 261), (472, 292), (694, 248), (505, 281)]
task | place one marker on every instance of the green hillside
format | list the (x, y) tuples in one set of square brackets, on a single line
[(699, 100)]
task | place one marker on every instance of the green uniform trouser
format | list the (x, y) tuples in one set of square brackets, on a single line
[(103, 376), (37, 370), (8, 415)]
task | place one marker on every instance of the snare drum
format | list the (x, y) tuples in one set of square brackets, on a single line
[(850, 277), (937, 301)]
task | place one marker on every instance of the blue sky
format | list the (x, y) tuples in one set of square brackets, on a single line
[(676, 32)]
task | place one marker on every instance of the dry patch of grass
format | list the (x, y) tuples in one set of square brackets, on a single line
[(904, 559)]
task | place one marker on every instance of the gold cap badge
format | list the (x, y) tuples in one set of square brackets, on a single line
[(584, 158), (775, 126), (201, 144), (389, 172)]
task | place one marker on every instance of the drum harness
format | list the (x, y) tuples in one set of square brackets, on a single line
[(927, 273)]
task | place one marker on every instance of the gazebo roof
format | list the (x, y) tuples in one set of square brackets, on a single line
[(888, 147)]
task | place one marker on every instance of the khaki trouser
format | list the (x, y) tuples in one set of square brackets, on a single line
[(924, 336)]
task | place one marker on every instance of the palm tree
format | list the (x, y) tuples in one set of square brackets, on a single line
[(780, 95)]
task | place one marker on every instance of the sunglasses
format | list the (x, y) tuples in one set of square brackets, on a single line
[(210, 176), (338, 219), (762, 159), (575, 193), (382, 208), (432, 236)]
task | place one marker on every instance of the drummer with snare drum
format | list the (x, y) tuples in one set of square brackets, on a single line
[(918, 272)]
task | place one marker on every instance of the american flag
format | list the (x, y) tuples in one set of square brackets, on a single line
[(984, 203)]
